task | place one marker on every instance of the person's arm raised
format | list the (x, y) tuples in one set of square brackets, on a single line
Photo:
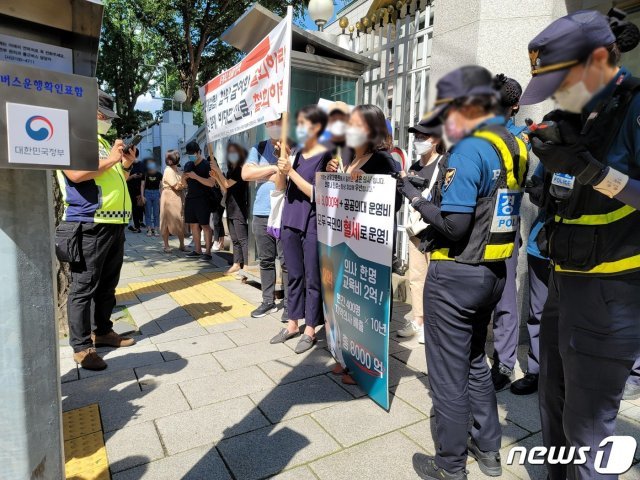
[(104, 164)]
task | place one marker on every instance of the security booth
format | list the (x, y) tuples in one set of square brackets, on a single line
[(321, 69), (48, 104)]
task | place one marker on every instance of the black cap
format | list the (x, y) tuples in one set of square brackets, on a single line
[(460, 83), (567, 42), (105, 104), (433, 128)]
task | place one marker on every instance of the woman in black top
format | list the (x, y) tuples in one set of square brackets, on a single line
[(150, 189), (237, 203)]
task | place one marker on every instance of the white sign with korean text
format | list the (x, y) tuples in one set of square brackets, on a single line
[(254, 91), (35, 54), (37, 135)]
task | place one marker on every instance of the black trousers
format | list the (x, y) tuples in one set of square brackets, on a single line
[(538, 289), (218, 226), (239, 233), (92, 294), (459, 300), (589, 341), (137, 214), (268, 250)]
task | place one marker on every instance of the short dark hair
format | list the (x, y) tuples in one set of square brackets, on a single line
[(315, 115), (192, 147), (377, 123)]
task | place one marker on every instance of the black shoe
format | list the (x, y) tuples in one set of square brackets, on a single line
[(205, 257), (427, 469), (264, 309), (142, 225), (131, 228), (526, 385), (631, 391), (193, 254), (489, 462), (500, 375)]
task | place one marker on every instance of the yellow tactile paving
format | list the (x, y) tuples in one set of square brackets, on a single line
[(85, 455), (146, 287)]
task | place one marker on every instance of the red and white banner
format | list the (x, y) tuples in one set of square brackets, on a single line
[(254, 91)]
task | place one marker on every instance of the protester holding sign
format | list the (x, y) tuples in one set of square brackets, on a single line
[(197, 206), (299, 230)]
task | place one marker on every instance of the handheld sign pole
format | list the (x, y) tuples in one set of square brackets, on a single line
[(285, 115)]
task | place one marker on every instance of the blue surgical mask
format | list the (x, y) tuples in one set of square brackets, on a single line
[(192, 158), (302, 134), (152, 166), (233, 157)]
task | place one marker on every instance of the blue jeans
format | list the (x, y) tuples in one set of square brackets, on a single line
[(152, 208)]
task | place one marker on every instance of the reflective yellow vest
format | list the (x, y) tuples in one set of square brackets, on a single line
[(104, 199), (497, 216)]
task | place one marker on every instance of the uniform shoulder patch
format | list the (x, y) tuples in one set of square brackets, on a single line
[(449, 175)]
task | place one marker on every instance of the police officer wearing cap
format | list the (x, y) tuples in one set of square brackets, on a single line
[(590, 331), (473, 218), (97, 210)]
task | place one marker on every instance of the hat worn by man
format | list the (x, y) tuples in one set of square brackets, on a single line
[(339, 107), (432, 129), (462, 82), (106, 104), (567, 42)]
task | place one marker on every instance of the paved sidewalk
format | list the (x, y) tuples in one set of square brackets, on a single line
[(203, 395)]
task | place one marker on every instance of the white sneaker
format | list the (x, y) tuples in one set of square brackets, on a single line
[(409, 330), (216, 246), (421, 336)]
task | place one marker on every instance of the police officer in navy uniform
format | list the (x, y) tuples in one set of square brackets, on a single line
[(473, 217), (506, 321), (590, 331)]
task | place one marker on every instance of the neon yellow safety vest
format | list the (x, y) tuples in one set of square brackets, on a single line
[(497, 216), (104, 199)]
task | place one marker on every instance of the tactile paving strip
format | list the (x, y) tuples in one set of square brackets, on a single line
[(85, 455)]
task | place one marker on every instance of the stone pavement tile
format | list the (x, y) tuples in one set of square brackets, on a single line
[(166, 314), (476, 474), (224, 386), (316, 361), (139, 314), (271, 449), (68, 369), (225, 327), (511, 433), (389, 456), (632, 413), (268, 320), (209, 424), (125, 358), (135, 407), (251, 355), (354, 390), (416, 393), (360, 419), (395, 347), (298, 473), (259, 332), (632, 474), (95, 389), (189, 347), (416, 359), (410, 343), (520, 409), (150, 329), (201, 463), (400, 372), (65, 351), (533, 472), (177, 371), (167, 323), (299, 398), (133, 446), (625, 426), (192, 329), (162, 302)]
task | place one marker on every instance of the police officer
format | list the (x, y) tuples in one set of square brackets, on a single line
[(473, 218), (506, 321), (97, 210), (590, 331)]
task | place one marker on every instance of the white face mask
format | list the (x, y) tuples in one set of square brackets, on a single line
[(423, 147), (233, 157), (574, 98), (274, 132), (356, 137), (103, 126), (338, 128)]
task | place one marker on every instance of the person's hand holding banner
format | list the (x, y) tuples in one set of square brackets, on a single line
[(284, 165)]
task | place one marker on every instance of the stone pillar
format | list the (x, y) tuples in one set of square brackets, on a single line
[(30, 414)]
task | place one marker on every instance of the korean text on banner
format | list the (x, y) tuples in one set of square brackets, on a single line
[(355, 240), (254, 91)]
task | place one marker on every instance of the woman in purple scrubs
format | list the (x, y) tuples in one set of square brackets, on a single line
[(299, 232)]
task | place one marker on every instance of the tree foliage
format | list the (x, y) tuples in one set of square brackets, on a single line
[(127, 48), (191, 31)]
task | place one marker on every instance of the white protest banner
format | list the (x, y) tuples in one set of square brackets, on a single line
[(254, 91), (355, 241)]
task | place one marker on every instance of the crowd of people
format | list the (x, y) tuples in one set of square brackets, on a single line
[(582, 251)]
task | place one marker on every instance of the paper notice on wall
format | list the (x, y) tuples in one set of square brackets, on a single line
[(35, 54)]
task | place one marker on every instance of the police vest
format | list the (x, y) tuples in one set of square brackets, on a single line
[(496, 220), (104, 199), (593, 234)]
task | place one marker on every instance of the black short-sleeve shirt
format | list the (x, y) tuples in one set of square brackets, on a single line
[(237, 200), (195, 189)]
